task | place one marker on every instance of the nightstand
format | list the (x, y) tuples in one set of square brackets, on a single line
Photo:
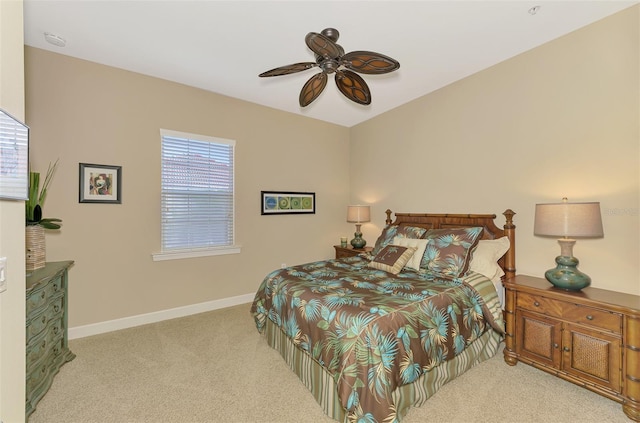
[(589, 337), (349, 251)]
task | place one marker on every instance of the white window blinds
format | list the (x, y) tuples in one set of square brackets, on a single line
[(197, 191), (14, 158)]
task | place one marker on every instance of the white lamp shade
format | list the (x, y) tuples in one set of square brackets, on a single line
[(568, 220), (358, 214)]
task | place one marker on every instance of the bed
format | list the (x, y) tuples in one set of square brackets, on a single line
[(373, 335)]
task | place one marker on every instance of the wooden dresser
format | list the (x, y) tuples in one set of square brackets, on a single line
[(46, 314), (590, 337)]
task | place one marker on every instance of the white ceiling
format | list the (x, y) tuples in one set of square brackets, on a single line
[(222, 46)]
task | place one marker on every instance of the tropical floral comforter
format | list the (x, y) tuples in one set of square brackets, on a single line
[(371, 329)]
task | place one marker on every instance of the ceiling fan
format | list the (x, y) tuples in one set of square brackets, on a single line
[(331, 58)]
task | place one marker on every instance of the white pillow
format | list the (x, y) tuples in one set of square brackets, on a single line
[(486, 255), (419, 244)]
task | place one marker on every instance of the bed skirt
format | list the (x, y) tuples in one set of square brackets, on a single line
[(323, 388)]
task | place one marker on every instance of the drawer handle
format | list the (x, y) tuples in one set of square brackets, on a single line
[(589, 317), (555, 346), (537, 304), (566, 349)]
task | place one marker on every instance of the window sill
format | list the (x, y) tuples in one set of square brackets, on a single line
[(204, 252)]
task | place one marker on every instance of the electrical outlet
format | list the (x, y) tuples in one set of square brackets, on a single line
[(3, 274)]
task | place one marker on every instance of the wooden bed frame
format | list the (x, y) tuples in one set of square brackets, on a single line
[(321, 383), (487, 221)]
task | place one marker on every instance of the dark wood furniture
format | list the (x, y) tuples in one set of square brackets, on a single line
[(349, 251), (590, 337), (46, 326)]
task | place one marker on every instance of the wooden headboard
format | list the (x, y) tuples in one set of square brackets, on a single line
[(486, 221)]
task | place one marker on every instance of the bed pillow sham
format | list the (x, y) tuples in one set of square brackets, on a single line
[(418, 244), (391, 231), (392, 258), (448, 252), (486, 255)]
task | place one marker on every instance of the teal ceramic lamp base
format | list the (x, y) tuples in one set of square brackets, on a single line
[(358, 242), (566, 274)]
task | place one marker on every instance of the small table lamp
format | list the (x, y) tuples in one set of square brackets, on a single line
[(358, 215), (568, 220)]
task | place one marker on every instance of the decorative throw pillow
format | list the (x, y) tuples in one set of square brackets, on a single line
[(449, 250), (392, 258), (486, 255), (418, 244), (391, 231)]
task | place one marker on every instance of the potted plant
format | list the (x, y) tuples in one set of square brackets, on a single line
[(36, 224)]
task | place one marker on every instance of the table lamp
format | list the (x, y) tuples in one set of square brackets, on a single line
[(358, 215), (568, 220)]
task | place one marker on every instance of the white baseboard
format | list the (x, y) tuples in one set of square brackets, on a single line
[(158, 316)]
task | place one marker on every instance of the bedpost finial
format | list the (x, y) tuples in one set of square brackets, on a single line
[(388, 221), (508, 214)]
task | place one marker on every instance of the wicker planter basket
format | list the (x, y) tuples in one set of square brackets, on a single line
[(35, 247)]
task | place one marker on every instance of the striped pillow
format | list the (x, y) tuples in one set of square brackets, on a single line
[(392, 258)]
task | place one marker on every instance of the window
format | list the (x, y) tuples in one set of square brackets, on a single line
[(197, 196)]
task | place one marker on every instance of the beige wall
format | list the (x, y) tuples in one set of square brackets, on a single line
[(12, 301), (560, 120), (83, 112)]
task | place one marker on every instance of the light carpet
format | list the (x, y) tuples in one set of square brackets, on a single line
[(215, 367)]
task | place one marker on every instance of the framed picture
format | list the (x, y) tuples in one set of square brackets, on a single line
[(286, 202), (14, 158), (100, 184)]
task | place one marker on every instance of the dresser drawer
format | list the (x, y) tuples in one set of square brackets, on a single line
[(40, 296), (585, 315), (52, 313), (50, 343), (539, 304), (594, 317)]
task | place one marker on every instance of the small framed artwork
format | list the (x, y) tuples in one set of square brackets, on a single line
[(100, 184), (287, 202)]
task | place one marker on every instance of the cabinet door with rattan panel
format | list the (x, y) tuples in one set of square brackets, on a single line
[(539, 338), (591, 356)]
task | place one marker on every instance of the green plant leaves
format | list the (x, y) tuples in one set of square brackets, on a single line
[(37, 196)]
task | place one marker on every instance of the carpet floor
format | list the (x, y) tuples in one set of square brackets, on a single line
[(215, 367)]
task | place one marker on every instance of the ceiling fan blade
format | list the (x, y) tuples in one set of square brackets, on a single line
[(369, 62), (322, 46), (353, 87), (313, 88), (286, 70)]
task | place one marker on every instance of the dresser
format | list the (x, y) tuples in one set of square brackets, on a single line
[(46, 325), (349, 251), (589, 337)]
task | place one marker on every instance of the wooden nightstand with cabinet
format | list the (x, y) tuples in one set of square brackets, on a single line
[(349, 251), (589, 337)]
